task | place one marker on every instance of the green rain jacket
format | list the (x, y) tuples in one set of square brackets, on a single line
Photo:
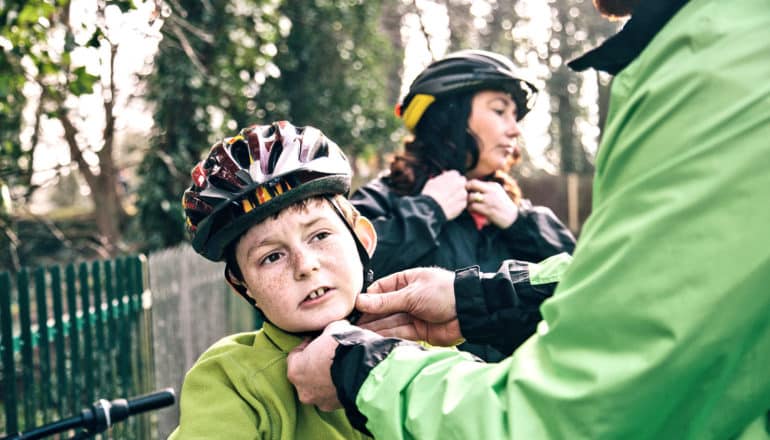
[(660, 326), (238, 390)]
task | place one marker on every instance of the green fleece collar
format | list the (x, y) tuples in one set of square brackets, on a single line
[(285, 341)]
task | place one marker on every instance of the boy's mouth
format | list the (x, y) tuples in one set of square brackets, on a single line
[(317, 293)]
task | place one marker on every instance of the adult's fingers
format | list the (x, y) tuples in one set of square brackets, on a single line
[(381, 323), (382, 303), (399, 325), (367, 318), (388, 283)]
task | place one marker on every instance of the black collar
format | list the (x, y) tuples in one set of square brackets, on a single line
[(619, 50)]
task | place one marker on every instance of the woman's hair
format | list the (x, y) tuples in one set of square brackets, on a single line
[(442, 142)]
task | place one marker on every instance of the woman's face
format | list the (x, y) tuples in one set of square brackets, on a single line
[(492, 123)]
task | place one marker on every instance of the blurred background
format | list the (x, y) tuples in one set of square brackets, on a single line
[(106, 105)]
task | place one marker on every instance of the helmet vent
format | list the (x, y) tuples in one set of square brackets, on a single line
[(275, 154), (240, 152), (221, 183), (321, 149)]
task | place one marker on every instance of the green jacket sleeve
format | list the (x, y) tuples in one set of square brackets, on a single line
[(659, 328)]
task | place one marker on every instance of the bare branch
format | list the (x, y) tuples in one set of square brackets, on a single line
[(424, 30), (182, 23), (187, 48), (70, 136), (105, 155)]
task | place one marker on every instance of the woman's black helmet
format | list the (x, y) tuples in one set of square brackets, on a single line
[(465, 71)]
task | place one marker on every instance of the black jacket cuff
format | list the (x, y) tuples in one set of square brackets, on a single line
[(356, 355), (502, 309)]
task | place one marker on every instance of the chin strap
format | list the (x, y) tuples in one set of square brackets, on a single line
[(355, 315), (362, 253)]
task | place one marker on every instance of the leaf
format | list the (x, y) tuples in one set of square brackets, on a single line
[(83, 82), (96, 39)]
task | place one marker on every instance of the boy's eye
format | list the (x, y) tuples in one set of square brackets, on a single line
[(271, 258), (321, 235)]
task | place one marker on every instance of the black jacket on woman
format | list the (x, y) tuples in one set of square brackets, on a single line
[(412, 231)]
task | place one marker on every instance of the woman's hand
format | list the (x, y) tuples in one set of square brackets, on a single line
[(448, 190), (490, 200)]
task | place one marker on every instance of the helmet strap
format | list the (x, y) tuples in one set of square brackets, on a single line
[(362, 253)]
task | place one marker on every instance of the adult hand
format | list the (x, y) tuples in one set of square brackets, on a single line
[(309, 369), (448, 190), (490, 200), (416, 304)]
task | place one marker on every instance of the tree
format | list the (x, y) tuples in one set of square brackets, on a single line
[(229, 65), (334, 71), (211, 63), (576, 27), (62, 76)]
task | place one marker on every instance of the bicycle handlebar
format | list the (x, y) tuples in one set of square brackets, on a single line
[(101, 415)]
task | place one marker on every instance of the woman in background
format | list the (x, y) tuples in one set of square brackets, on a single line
[(449, 200)]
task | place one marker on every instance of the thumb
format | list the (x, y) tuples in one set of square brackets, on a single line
[(382, 304), (302, 345)]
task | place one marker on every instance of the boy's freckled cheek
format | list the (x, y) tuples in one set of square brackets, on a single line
[(267, 285)]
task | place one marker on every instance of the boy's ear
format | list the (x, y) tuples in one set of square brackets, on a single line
[(238, 286), (366, 234)]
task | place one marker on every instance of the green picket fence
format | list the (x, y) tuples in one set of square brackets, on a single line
[(71, 335)]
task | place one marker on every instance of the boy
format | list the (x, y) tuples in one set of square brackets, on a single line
[(271, 203)]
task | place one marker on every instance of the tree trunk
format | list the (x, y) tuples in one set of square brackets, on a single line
[(108, 210)]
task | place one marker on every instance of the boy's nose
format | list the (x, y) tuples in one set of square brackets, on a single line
[(305, 263)]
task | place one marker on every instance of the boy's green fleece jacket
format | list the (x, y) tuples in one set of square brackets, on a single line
[(238, 390)]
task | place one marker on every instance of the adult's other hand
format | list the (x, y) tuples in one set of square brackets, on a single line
[(309, 368)]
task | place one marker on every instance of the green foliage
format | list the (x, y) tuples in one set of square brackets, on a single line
[(334, 66), (317, 63), (20, 31), (82, 82), (208, 61), (37, 39)]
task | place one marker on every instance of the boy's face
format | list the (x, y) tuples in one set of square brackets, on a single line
[(303, 268)]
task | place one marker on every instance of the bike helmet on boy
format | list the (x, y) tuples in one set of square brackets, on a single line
[(251, 176), (464, 71)]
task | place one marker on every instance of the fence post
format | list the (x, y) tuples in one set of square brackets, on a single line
[(573, 202), (88, 348), (44, 391), (61, 361), (9, 370), (75, 368), (113, 308), (25, 326), (100, 322)]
